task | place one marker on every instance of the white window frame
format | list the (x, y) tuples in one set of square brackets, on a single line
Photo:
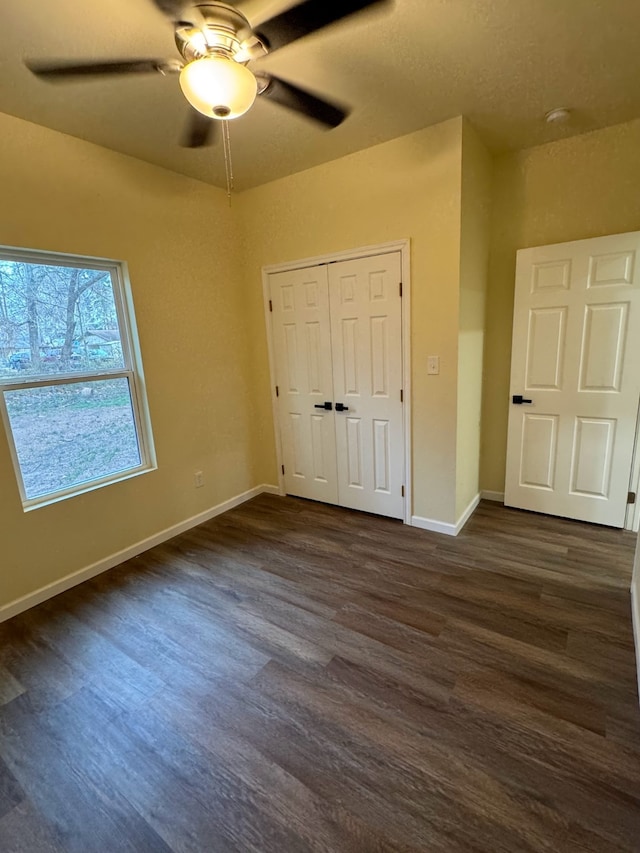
[(132, 371)]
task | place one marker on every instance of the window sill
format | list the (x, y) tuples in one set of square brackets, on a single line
[(84, 488)]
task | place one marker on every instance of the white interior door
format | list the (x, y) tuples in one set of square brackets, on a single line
[(337, 340), (576, 366), (302, 349), (366, 332)]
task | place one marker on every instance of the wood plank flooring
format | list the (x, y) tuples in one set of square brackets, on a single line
[(296, 677)]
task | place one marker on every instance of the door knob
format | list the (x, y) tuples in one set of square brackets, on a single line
[(341, 408), (518, 399), (326, 405)]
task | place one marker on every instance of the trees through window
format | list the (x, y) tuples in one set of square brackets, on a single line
[(71, 393)]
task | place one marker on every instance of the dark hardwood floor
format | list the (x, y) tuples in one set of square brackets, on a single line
[(295, 677)]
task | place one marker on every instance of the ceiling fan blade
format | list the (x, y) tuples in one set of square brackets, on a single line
[(170, 8), (199, 131), (69, 70), (303, 102), (307, 17)]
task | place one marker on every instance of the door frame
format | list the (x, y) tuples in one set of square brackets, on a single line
[(632, 517), (402, 246)]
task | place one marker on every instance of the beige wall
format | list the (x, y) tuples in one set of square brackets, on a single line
[(62, 194), (407, 188), (474, 260), (585, 186)]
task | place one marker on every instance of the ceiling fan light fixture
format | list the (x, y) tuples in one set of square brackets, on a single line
[(218, 87)]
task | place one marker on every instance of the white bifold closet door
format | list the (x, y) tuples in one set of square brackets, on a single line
[(337, 335)]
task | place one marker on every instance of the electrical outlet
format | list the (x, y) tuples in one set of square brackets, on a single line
[(433, 365), (198, 479)]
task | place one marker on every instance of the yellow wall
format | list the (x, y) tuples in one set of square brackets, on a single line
[(178, 236), (474, 260), (407, 188), (585, 186)]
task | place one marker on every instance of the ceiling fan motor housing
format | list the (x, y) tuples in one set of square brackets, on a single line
[(215, 27)]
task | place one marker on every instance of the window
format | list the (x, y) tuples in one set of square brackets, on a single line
[(71, 387)]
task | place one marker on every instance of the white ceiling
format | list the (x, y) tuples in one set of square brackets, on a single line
[(502, 63)]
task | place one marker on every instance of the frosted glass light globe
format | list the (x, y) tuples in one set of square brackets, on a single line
[(218, 87)]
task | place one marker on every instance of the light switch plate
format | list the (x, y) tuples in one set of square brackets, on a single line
[(433, 365)]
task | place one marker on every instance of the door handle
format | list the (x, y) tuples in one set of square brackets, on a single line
[(326, 405), (341, 408), (518, 400)]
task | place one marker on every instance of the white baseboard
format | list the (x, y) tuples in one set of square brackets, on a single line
[(466, 515), (635, 613), (75, 578), (433, 525), (441, 526), (498, 497)]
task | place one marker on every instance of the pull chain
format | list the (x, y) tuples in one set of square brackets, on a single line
[(228, 165)]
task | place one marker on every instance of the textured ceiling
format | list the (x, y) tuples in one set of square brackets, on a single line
[(502, 63)]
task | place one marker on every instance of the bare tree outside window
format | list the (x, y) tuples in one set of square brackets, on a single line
[(70, 396)]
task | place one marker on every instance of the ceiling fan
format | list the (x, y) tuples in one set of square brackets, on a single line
[(216, 44)]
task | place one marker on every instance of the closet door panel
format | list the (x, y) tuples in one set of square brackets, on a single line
[(366, 331), (302, 347)]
